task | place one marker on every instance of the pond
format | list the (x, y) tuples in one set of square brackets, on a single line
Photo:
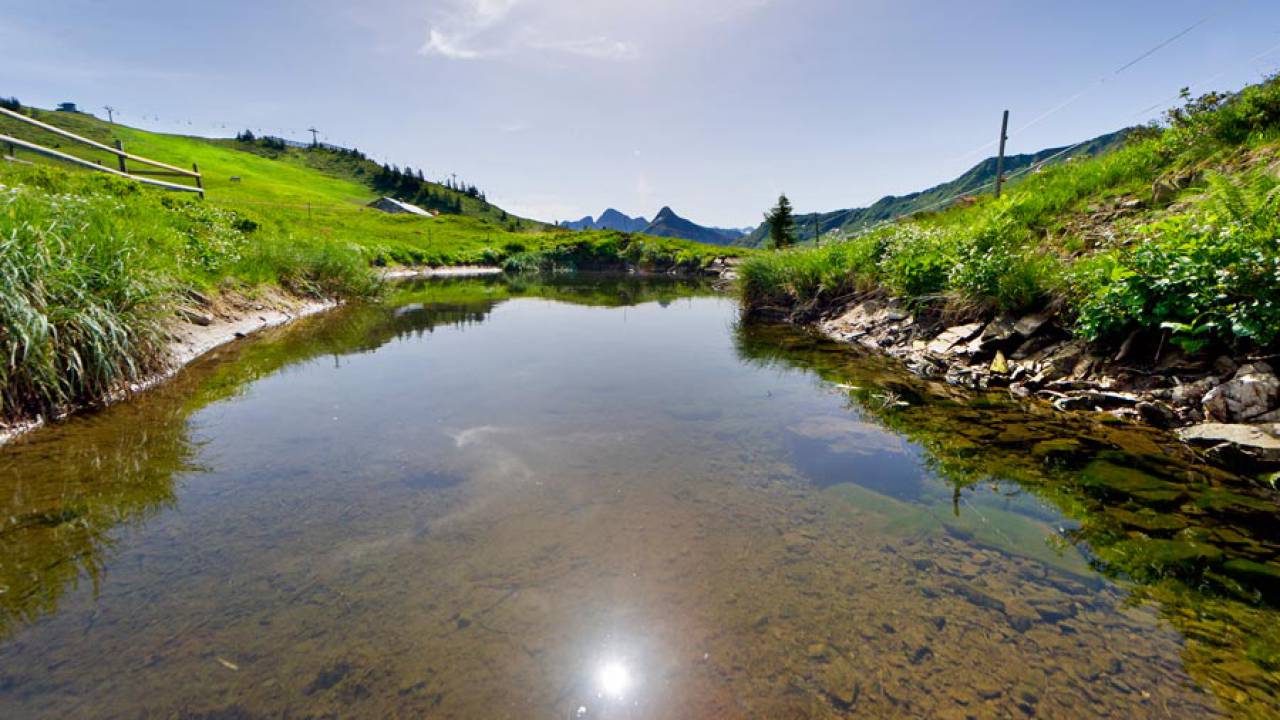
[(598, 497)]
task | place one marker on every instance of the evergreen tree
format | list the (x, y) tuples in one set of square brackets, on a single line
[(782, 223)]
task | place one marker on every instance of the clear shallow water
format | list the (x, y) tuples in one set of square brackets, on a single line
[(496, 500)]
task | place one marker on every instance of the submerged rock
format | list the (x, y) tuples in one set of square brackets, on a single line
[(840, 683)]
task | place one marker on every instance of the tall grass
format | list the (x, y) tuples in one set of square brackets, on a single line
[(91, 267), (80, 303)]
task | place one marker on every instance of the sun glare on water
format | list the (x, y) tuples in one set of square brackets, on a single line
[(614, 680)]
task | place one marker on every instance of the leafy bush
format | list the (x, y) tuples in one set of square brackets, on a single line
[(1212, 275), (917, 260), (998, 269)]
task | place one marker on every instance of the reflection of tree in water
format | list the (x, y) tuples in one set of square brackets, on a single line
[(65, 491), (1198, 541)]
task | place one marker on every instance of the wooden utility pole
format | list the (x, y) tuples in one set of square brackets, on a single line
[(1004, 136)]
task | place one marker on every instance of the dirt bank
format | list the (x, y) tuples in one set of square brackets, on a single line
[(200, 326)]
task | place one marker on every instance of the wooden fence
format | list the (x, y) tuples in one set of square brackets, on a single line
[(123, 158)]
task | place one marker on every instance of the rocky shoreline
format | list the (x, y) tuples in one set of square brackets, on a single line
[(1228, 407)]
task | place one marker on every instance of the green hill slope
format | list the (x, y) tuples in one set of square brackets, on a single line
[(323, 193), (267, 175), (977, 179)]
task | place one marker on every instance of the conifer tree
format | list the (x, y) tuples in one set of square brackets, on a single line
[(782, 223)]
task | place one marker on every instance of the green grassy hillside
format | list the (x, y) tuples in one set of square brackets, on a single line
[(976, 180), (1173, 235), (322, 193)]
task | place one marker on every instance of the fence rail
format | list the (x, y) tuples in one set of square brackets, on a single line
[(123, 158)]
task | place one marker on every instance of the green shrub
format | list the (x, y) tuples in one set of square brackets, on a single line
[(1212, 275), (997, 268), (917, 260)]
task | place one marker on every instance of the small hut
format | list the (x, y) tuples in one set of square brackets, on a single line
[(394, 206)]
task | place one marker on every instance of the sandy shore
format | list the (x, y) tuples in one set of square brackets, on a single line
[(195, 333)]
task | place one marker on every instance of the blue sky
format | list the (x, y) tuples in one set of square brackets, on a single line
[(560, 108)]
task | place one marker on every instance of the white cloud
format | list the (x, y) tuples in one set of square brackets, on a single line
[(447, 46), (600, 47), (475, 29), (546, 208)]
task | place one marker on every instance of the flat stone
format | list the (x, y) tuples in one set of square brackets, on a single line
[(1030, 324), (951, 337), (999, 330), (1248, 439)]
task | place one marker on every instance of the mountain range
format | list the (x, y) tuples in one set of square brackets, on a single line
[(665, 224), (971, 182)]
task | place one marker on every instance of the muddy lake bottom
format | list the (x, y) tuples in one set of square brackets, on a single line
[(595, 497)]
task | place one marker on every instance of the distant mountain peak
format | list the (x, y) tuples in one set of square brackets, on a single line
[(665, 224)]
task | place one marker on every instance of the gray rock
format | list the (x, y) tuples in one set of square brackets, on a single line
[(1163, 191), (1190, 394), (1030, 325), (951, 337), (1158, 414), (1250, 441), (195, 317), (1254, 391), (999, 330), (1225, 365), (1063, 360)]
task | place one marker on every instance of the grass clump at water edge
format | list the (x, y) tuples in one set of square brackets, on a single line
[(91, 268)]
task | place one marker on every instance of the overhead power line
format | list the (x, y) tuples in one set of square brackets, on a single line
[(1106, 78)]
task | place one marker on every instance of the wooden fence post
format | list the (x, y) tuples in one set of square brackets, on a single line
[(195, 168), (123, 167), (1004, 136)]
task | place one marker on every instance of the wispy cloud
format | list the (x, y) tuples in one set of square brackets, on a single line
[(477, 29), (601, 47), (448, 46)]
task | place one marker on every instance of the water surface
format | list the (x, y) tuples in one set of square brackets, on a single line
[(605, 498)]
